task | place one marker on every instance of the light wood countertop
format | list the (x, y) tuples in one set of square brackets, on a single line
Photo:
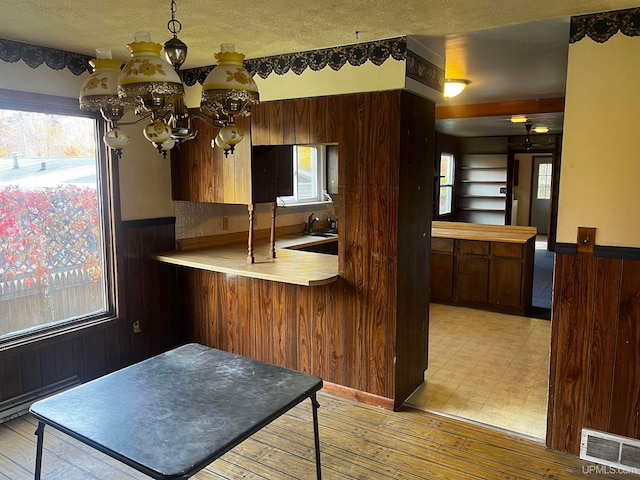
[(289, 266), (488, 233)]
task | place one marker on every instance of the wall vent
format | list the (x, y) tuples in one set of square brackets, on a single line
[(614, 451)]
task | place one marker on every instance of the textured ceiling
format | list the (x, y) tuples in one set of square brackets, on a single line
[(268, 27), (508, 49)]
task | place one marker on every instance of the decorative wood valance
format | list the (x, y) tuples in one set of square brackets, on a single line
[(600, 27), (376, 52)]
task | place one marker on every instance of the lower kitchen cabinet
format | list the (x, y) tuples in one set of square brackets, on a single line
[(490, 275)]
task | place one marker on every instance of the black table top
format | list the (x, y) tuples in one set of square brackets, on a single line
[(173, 414)]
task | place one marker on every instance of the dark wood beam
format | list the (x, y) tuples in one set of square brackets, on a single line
[(521, 107)]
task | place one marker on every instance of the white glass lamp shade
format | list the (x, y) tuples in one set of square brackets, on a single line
[(229, 90), (168, 145), (101, 88), (220, 143), (231, 134), (116, 139), (157, 131), (147, 74), (453, 87)]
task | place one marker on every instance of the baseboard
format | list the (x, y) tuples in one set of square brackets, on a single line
[(358, 395)]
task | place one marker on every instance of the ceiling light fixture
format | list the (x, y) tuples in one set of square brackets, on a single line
[(518, 119), (453, 87), (541, 129), (152, 86)]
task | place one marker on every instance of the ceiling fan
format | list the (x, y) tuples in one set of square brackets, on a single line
[(527, 144)]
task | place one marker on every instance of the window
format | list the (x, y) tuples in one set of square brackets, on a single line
[(55, 267), (544, 181), (447, 169), (308, 175)]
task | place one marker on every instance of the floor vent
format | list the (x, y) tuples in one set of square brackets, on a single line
[(614, 451)]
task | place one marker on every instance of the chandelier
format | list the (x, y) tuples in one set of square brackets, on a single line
[(151, 86)]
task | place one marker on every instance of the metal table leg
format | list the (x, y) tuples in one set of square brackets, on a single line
[(316, 434), (40, 433)]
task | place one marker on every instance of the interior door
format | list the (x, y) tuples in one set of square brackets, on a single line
[(541, 194)]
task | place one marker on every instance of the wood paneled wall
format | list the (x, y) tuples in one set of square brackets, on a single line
[(595, 354), (368, 331), (93, 351)]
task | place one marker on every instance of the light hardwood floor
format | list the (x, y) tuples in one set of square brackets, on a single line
[(357, 441)]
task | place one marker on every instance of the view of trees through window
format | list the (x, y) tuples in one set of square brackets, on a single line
[(51, 238)]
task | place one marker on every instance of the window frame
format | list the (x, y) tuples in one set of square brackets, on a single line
[(450, 186), (107, 171), (321, 178)]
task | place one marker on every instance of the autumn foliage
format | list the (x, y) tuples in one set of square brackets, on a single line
[(48, 231)]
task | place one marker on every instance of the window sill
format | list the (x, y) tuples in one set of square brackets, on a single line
[(305, 204)]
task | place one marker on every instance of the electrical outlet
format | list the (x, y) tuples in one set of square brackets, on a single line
[(136, 327), (225, 223)]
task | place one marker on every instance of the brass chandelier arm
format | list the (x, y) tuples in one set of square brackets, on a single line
[(212, 122)]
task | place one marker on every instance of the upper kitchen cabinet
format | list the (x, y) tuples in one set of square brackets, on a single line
[(200, 173)]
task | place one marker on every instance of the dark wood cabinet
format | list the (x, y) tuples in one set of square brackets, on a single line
[(442, 269), (472, 282), (492, 275), (271, 172), (201, 173)]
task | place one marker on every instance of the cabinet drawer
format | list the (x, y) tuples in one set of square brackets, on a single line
[(511, 250), (442, 244), (473, 247)]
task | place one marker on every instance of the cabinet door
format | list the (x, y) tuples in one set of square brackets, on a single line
[(441, 276), (472, 278), (271, 172), (332, 169), (193, 170), (284, 162), (505, 281)]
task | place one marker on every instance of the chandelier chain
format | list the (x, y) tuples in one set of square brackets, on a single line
[(173, 25)]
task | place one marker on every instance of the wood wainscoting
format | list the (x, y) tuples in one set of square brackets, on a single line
[(88, 352), (368, 331), (595, 353)]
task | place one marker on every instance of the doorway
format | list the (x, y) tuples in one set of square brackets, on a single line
[(541, 194)]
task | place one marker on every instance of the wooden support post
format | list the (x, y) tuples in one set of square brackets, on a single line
[(250, 258), (272, 244)]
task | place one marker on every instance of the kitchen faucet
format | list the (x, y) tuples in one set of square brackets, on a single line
[(309, 226)]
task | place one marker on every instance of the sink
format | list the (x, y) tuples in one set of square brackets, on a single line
[(328, 233)]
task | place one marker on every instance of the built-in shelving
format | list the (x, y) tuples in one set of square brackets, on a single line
[(483, 179)]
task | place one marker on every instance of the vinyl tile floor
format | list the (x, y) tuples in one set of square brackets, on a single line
[(487, 367)]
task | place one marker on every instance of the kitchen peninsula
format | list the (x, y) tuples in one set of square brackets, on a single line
[(365, 332), (291, 265), (483, 266)]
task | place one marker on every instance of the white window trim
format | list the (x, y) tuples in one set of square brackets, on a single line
[(321, 185)]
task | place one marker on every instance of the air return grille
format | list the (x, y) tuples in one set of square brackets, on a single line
[(612, 450)]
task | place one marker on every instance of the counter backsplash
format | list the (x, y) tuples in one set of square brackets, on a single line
[(203, 219)]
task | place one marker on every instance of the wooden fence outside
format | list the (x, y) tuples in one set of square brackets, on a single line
[(60, 296)]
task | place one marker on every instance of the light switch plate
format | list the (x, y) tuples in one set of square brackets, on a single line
[(586, 239)]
